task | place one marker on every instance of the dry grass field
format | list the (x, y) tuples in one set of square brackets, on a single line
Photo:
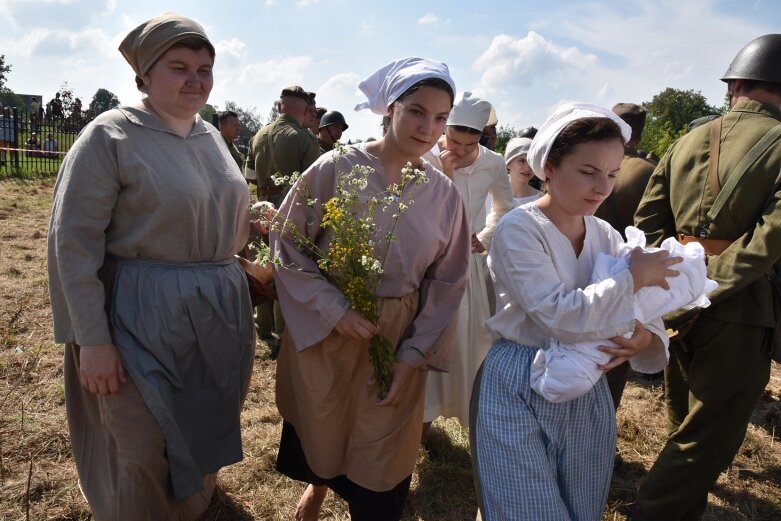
[(38, 477)]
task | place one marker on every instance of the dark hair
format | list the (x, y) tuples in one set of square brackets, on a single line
[(437, 83), (193, 43), (769, 86), (225, 114), (583, 130), (468, 130)]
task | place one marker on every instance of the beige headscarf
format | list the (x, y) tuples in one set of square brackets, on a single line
[(145, 44)]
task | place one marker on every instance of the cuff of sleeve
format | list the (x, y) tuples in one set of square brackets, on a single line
[(411, 356)]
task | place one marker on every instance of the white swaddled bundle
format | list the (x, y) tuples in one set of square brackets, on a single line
[(563, 372)]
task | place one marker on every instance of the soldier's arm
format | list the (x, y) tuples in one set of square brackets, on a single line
[(654, 215), (310, 151), (751, 255)]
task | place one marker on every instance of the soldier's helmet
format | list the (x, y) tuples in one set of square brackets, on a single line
[(759, 60), (331, 118), (528, 132)]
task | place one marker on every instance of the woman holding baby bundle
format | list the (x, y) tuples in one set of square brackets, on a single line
[(535, 459)]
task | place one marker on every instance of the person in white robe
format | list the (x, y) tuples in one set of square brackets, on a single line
[(476, 172)]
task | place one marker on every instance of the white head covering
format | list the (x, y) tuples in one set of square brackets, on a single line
[(469, 111), (564, 115), (515, 147), (387, 84), (492, 119)]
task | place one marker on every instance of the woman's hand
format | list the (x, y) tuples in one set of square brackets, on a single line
[(627, 347), (477, 246), (402, 374), (100, 369), (447, 160), (354, 325), (651, 269)]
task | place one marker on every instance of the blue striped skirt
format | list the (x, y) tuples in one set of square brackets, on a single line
[(535, 459)]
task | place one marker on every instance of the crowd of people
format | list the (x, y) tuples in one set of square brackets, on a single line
[(490, 284)]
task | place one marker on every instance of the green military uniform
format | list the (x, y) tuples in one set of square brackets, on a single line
[(719, 368), (281, 147), (324, 147), (619, 208), (235, 154)]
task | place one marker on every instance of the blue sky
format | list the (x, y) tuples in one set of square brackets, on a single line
[(525, 57)]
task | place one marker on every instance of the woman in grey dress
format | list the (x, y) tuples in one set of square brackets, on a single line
[(149, 210)]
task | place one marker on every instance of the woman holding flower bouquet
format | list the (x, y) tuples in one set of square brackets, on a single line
[(339, 429)]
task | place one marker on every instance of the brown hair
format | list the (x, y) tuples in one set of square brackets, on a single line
[(437, 83), (193, 43), (583, 130)]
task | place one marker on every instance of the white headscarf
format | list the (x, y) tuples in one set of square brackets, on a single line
[(564, 115), (492, 119), (515, 147), (469, 111), (387, 84)]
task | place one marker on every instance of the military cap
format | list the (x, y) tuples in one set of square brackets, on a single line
[(320, 111), (631, 109), (295, 91), (311, 97)]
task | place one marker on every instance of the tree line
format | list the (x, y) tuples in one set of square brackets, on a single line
[(669, 113)]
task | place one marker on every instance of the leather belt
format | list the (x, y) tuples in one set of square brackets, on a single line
[(711, 246)]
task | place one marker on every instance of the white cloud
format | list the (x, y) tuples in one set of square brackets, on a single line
[(275, 73), (428, 19), (512, 62), (233, 47), (306, 3)]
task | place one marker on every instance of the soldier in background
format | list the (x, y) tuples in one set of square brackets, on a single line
[(719, 358), (619, 207), (282, 147), (230, 128), (331, 127)]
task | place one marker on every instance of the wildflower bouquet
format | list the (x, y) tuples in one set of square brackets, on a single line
[(355, 259)]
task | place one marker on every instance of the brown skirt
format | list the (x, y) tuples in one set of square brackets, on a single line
[(322, 392)]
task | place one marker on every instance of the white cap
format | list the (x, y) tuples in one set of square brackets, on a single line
[(564, 115), (469, 111)]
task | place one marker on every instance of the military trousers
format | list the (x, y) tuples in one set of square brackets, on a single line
[(716, 374)]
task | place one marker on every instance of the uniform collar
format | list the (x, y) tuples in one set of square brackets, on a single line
[(287, 118), (758, 107)]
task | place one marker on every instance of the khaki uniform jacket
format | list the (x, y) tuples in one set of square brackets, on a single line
[(282, 147), (679, 196), (619, 208), (235, 154)]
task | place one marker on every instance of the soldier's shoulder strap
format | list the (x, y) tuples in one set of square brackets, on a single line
[(732, 181)]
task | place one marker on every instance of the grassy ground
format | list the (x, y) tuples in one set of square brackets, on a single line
[(38, 478)]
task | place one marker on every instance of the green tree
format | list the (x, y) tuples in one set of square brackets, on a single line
[(4, 69), (274, 112), (251, 121), (7, 97), (102, 101), (66, 97), (504, 134), (208, 112), (669, 115)]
